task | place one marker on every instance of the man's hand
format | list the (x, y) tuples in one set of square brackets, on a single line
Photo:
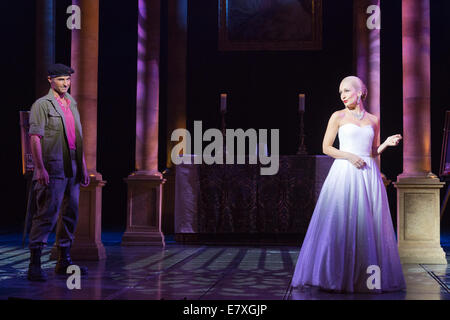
[(41, 172), (42, 176), (86, 179)]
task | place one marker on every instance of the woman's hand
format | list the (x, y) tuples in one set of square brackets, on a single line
[(393, 141), (356, 161)]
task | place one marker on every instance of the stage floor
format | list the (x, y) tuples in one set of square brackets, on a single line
[(194, 272)]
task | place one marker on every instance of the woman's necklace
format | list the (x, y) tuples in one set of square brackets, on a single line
[(358, 116)]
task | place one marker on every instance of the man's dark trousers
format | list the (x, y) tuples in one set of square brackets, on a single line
[(60, 194)]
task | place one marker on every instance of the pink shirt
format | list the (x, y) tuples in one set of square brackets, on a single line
[(70, 122)]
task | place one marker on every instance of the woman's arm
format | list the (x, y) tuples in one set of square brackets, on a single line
[(328, 140), (390, 142), (330, 136), (377, 149)]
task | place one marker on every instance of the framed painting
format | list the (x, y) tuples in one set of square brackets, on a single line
[(270, 25), (445, 154)]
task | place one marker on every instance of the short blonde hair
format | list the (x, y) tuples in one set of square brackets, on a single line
[(358, 85)]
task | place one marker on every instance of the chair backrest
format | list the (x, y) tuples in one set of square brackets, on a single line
[(27, 158)]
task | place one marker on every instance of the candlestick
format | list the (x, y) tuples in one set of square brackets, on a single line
[(223, 111), (301, 110)]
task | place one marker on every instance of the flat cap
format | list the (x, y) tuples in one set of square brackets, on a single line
[(58, 70)]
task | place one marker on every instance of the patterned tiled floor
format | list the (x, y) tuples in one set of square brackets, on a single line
[(192, 272)]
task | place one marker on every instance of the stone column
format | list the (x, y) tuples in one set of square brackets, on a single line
[(176, 99), (87, 244), (417, 188), (177, 59), (367, 52), (45, 43), (367, 56), (145, 184)]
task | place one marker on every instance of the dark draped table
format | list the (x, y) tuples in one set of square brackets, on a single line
[(235, 203)]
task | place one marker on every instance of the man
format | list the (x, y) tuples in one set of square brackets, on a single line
[(60, 168)]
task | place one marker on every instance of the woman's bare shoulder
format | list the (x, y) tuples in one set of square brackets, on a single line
[(337, 117), (338, 114)]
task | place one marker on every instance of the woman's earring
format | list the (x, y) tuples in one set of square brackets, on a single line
[(359, 100)]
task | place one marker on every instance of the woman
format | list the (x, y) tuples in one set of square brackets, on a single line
[(350, 235)]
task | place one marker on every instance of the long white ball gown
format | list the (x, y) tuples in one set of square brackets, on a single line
[(351, 228)]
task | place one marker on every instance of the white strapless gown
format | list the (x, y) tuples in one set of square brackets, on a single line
[(351, 227)]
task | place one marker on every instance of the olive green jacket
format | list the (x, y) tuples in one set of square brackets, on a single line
[(47, 120)]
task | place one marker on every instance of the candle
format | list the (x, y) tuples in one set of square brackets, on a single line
[(301, 102), (223, 102)]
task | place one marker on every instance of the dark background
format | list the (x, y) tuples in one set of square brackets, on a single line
[(262, 88)]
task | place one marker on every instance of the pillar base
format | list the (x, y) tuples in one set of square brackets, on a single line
[(87, 244), (418, 227), (143, 238), (419, 253), (144, 210)]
